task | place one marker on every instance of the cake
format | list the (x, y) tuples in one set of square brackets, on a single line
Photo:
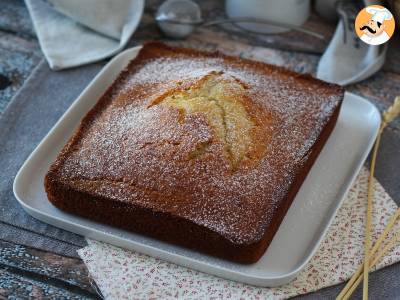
[(198, 149)]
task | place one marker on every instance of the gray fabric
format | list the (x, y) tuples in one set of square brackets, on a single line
[(34, 110), (29, 238)]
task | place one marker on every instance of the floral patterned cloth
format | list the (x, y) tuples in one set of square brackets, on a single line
[(123, 274)]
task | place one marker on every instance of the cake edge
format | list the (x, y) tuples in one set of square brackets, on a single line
[(185, 232), (179, 231)]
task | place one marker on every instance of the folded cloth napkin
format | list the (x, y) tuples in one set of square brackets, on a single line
[(74, 32), (347, 59), (123, 274)]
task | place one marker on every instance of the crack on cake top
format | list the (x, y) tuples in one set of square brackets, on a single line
[(218, 97)]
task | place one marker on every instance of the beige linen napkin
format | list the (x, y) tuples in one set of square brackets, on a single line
[(123, 274), (74, 32)]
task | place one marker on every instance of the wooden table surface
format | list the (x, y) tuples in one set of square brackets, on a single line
[(26, 272)]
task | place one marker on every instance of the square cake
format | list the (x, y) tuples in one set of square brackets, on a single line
[(199, 149)]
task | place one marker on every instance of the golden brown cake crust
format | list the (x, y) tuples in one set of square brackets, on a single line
[(199, 149)]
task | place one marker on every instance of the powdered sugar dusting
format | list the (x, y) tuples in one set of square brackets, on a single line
[(135, 153)]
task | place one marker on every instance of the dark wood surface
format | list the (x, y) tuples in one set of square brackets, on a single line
[(30, 273), (27, 272)]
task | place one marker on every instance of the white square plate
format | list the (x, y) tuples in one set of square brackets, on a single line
[(300, 233)]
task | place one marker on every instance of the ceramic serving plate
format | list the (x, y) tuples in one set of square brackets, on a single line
[(300, 233)]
